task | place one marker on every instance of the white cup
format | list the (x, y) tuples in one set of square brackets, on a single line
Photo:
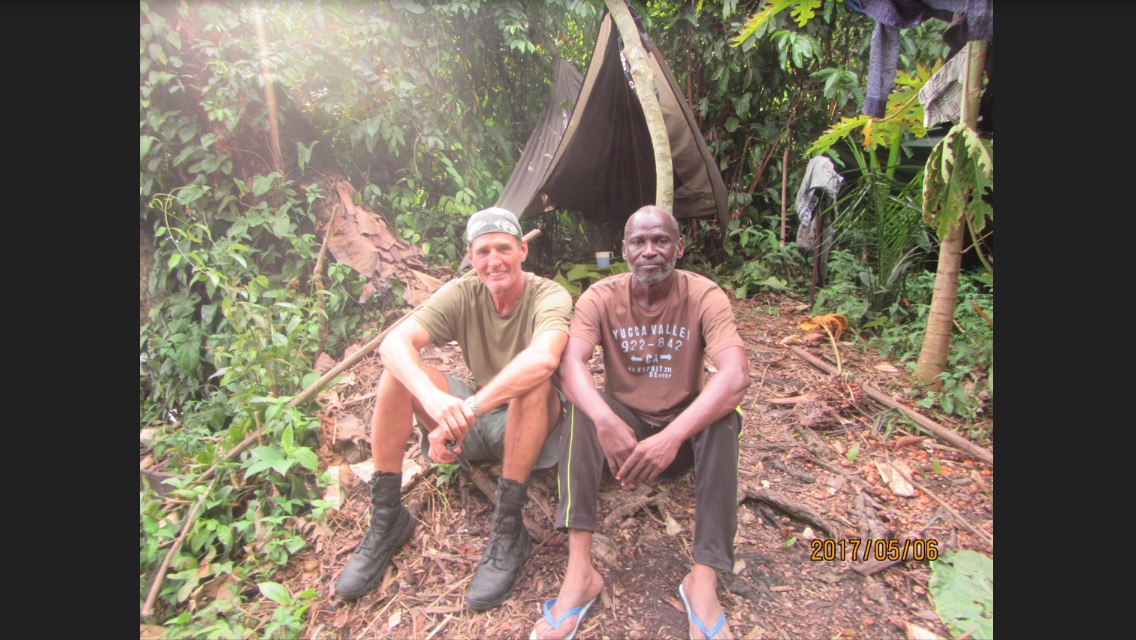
[(603, 259)]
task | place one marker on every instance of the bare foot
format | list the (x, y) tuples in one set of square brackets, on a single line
[(573, 593), (700, 587)]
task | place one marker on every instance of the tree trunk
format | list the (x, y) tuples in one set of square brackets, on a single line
[(145, 263), (648, 99), (940, 319)]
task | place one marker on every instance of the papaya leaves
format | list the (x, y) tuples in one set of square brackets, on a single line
[(959, 174), (904, 115), (801, 11)]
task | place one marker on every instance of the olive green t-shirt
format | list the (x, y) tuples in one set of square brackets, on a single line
[(462, 311)]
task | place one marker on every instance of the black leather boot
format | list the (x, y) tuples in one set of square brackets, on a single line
[(505, 553), (391, 526)]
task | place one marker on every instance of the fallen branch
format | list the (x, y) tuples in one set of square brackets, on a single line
[(798, 511), (808, 397), (776, 463), (634, 503), (148, 607), (922, 421), (982, 313), (957, 516), (439, 628)]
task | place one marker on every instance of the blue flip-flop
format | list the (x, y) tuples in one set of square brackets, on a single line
[(581, 611), (698, 623)]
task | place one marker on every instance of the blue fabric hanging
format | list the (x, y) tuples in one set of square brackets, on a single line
[(893, 15)]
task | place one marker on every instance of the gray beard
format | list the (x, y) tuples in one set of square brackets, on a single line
[(658, 277)]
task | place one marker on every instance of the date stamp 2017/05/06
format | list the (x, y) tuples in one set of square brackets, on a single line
[(880, 550)]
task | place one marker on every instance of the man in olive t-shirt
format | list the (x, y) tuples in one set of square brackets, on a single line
[(655, 326), (511, 327)]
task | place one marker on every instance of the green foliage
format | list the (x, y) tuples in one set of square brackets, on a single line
[(577, 277), (756, 261), (962, 586), (288, 618), (904, 117), (844, 293), (968, 381), (802, 11), (229, 327), (424, 107), (960, 176), (447, 473), (879, 220)]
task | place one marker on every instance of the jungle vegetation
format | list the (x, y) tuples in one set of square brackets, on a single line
[(254, 115)]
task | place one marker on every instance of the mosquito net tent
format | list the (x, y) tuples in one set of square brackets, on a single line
[(596, 158)]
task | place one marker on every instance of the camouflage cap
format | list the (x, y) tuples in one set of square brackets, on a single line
[(492, 220)]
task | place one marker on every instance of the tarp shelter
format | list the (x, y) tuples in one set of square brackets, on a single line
[(599, 161)]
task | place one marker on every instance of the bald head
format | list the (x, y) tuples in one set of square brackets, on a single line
[(652, 210)]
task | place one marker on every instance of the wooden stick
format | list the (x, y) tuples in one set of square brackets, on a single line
[(317, 276), (982, 313), (924, 422), (808, 397), (785, 184), (441, 626), (957, 516), (148, 607)]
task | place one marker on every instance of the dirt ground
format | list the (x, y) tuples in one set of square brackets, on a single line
[(812, 450)]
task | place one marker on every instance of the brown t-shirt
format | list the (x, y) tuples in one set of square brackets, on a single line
[(653, 361), (462, 310)]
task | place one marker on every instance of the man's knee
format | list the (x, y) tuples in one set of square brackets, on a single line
[(539, 399)]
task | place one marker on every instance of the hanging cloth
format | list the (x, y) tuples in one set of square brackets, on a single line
[(893, 15), (815, 197)]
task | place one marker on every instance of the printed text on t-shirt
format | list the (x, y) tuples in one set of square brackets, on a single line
[(660, 339)]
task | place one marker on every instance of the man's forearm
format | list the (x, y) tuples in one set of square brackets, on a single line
[(722, 394), (580, 388), (528, 369), (401, 361)]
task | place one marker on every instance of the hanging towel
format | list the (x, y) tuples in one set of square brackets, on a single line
[(941, 97), (817, 192)]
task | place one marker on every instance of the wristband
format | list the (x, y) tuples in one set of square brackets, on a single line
[(472, 402)]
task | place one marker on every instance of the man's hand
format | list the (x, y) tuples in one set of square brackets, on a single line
[(453, 416), (648, 460), (438, 450), (617, 440)]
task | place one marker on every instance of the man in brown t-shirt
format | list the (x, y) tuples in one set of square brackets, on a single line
[(511, 327), (655, 326)]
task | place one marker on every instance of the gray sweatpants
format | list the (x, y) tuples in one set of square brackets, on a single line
[(712, 452)]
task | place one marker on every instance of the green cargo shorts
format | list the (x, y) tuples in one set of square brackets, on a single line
[(485, 441)]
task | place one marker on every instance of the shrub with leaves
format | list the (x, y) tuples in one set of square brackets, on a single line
[(962, 586)]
